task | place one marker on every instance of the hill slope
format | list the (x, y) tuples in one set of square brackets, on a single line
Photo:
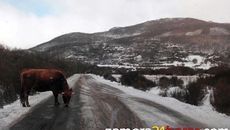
[(158, 43)]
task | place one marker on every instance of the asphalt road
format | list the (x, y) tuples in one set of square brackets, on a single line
[(96, 106)]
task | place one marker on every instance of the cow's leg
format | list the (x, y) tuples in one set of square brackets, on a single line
[(56, 99), (22, 98), (22, 94), (27, 101)]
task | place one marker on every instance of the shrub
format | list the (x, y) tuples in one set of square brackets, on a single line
[(221, 92), (178, 70), (180, 95), (109, 76), (195, 93), (177, 82), (136, 80), (163, 93), (165, 82), (217, 70), (222, 97)]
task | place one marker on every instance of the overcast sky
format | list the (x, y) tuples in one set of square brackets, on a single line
[(26, 23)]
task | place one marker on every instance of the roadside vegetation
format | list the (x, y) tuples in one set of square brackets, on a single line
[(13, 61), (217, 82), (137, 80)]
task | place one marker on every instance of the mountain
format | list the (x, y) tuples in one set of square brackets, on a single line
[(158, 43)]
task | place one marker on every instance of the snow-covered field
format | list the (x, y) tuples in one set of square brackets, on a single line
[(192, 61), (14, 111), (118, 66), (205, 113)]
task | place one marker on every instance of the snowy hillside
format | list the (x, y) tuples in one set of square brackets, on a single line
[(158, 43)]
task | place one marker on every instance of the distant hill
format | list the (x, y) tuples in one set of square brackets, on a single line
[(158, 43)]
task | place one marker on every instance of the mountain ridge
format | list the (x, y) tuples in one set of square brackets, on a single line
[(150, 44)]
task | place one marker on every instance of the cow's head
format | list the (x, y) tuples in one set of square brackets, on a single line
[(66, 95)]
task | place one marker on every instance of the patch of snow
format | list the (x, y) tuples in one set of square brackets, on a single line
[(206, 102), (119, 48), (166, 34), (117, 36), (194, 33), (168, 92), (154, 90), (117, 77), (118, 66), (76, 57), (218, 31), (70, 56), (192, 61), (138, 58), (72, 80), (202, 114), (14, 111), (170, 45)]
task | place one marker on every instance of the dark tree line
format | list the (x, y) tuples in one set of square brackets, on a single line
[(136, 80)]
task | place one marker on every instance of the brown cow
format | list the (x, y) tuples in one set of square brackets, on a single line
[(44, 80)]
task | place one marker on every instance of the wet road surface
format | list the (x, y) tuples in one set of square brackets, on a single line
[(96, 106)]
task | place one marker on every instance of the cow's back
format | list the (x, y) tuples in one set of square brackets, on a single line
[(43, 79)]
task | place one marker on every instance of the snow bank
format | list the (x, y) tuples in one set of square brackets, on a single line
[(14, 111), (204, 114), (10, 113)]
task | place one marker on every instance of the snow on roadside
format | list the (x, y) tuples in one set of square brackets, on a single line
[(14, 111), (203, 114), (73, 79)]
